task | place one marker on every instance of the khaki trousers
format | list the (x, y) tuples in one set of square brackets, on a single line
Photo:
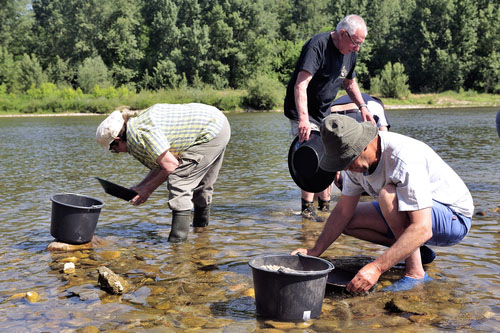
[(192, 183)]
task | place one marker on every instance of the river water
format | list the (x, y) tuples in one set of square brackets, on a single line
[(206, 283)]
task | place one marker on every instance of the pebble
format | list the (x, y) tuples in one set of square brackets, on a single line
[(69, 268), (17, 296), (88, 329), (249, 293), (280, 325), (489, 314), (32, 296), (110, 255)]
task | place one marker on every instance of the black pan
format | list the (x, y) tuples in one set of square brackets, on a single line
[(116, 190), (339, 277)]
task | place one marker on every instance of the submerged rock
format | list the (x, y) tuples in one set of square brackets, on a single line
[(60, 246), (32, 296), (111, 282)]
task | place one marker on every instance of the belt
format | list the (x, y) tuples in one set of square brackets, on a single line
[(346, 111)]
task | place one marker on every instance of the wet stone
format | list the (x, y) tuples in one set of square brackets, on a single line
[(407, 304), (60, 246), (88, 329), (111, 282), (280, 324), (193, 321), (163, 306), (69, 259), (32, 296), (393, 321), (217, 323), (426, 318), (139, 296), (269, 330), (86, 292), (69, 268), (17, 296), (325, 325), (106, 255)]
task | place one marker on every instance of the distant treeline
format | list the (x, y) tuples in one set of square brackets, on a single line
[(437, 45)]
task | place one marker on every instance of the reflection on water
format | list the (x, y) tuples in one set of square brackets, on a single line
[(206, 282)]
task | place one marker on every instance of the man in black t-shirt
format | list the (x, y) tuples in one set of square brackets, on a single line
[(326, 62)]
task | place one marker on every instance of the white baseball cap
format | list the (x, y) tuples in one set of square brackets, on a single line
[(109, 129)]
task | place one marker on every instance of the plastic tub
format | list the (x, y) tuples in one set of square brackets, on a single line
[(74, 217), (295, 292)]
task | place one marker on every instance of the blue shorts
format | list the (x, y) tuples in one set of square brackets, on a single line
[(448, 227)]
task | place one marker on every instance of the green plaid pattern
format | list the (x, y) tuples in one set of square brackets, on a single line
[(174, 127)]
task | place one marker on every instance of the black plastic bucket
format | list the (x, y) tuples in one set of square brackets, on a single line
[(74, 217), (293, 293)]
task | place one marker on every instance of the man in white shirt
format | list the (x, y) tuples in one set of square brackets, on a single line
[(420, 199)]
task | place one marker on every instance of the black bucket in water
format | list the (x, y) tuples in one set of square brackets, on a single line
[(294, 292), (74, 217)]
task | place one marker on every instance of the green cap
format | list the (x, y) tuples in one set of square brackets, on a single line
[(344, 139)]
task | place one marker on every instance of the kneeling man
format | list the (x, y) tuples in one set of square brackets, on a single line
[(420, 199)]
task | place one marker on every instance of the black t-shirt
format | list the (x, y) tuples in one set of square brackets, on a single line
[(329, 68)]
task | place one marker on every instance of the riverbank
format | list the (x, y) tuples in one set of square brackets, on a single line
[(226, 100)]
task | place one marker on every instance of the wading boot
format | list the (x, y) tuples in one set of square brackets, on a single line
[(323, 206), (180, 226), (201, 216), (308, 212)]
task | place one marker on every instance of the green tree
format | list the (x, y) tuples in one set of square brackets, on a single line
[(392, 82), (165, 75), (264, 92), (300, 20), (93, 72), (75, 30), (8, 70), (161, 34), (30, 72), (16, 21), (59, 72), (485, 72)]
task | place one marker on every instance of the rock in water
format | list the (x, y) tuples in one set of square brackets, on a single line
[(111, 282)]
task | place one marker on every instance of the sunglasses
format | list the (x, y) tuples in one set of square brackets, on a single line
[(352, 41), (112, 146)]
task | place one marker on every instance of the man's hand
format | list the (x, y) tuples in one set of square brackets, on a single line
[(365, 279), (303, 251), (304, 130), (367, 116), (141, 197)]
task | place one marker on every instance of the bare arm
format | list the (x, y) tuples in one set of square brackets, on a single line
[(334, 226), (168, 163), (300, 94), (417, 233), (352, 89)]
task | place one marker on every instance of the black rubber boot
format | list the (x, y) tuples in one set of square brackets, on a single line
[(323, 206), (201, 216), (308, 212), (180, 226)]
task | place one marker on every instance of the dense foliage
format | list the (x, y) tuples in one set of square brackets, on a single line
[(428, 45)]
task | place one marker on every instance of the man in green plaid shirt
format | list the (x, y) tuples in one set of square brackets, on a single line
[(182, 145)]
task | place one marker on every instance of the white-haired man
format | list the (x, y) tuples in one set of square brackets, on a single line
[(326, 62)]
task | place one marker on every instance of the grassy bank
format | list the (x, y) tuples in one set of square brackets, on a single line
[(445, 99), (52, 100)]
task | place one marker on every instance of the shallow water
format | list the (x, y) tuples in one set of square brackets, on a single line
[(206, 282)]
